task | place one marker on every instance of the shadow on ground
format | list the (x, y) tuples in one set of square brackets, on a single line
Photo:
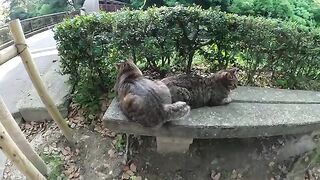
[(252, 158)]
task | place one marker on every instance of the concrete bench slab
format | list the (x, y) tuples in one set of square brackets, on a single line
[(275, 96), (254, 112), (32, 108)]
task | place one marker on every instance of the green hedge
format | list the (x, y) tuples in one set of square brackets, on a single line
[(169, 38)]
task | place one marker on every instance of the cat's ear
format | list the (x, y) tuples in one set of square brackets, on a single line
[(228, 76), (130, 61), (234, 70), (117, 65)]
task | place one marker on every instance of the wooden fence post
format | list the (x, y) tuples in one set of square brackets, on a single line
[(18, 137), (23, 51), (12, 151)]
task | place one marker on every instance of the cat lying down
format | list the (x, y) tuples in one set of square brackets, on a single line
[(198, 91), (152, 103)]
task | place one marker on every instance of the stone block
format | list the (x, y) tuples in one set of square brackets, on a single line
[(32, 108), (173, 144)]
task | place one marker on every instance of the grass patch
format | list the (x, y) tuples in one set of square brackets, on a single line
[(54, 164), (120, 142)]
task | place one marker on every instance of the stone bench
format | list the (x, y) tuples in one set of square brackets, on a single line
[(254, 112)]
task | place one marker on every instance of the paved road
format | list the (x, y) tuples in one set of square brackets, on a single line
[(38, 43), (41, 40), (14, 81)]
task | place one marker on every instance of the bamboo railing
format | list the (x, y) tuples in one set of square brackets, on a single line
[(12, 141)]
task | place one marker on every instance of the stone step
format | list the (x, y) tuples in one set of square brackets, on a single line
[(31, 107)]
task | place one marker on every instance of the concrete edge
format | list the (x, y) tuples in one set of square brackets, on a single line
[(209, 132)]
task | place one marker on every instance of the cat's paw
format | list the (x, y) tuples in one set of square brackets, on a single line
[(184, 108), (181, 103), (176, 110), (226, 100)]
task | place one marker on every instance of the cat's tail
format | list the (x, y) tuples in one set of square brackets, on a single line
[(176, 110)]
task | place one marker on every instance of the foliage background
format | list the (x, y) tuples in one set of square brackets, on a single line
[(304, 12), (171, 39), (23, 9)]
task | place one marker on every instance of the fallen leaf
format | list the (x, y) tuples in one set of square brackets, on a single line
[(125, 176), (271, 164), (64, 152), (28, 126), (111, 134), (68, 172), (130, 173), (133, 167), (215, 176), (73, 125), (114, 142), (71, 176), (76, 174), (125, 168), (138, 178), (54, 144), (234, 174), (91, 116), (111, 153), (67, 158)]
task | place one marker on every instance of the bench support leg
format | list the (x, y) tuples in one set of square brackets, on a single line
[(173, 144)]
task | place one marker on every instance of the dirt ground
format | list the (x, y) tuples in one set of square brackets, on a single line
[(101, 154), (252, 158)]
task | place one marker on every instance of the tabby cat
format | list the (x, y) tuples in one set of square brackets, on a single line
[(200, 91), (145, 101)]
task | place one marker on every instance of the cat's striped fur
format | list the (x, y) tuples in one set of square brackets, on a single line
[(200, 91), (145, 101)]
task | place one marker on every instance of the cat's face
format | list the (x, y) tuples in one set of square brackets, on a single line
[(228, 77), (128, 66)]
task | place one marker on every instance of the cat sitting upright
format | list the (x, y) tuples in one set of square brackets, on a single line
[(200, 91), (145, 101)]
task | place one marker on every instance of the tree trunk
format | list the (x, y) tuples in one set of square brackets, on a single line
[(189, 63)]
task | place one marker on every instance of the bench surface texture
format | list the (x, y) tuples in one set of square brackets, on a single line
[(253, 112)]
